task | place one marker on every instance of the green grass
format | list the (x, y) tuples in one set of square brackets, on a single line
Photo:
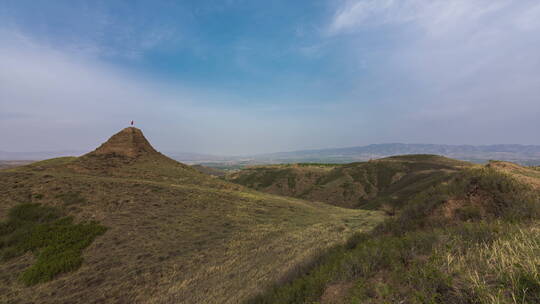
[(486, 252), (56, 241)]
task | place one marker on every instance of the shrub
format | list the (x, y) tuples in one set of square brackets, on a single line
[(56, 241)]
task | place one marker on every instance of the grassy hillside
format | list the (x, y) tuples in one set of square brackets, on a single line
[(161, 232), (368, 185), (473, 239)]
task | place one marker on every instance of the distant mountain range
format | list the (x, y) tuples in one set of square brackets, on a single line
[(523, 154)]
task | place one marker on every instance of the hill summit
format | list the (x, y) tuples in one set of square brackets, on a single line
[(129, 142), (127, 153)]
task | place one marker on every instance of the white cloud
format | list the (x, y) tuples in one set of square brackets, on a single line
[(471, 62), (435, 67), (529, 18), (434, 16)]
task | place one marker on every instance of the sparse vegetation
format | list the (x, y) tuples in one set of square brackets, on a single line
[(366, 185), (171, 232), (459, 233), (435, 252), (55, 240)]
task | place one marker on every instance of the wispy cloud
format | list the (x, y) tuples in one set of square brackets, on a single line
[(95, 29), (59, 94), (434, 16), (237, 79), (476, 62)]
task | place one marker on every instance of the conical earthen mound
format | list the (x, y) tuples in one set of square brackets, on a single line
[(126, 153), (129, 142)]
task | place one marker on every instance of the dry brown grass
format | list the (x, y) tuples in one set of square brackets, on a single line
[(527, 175), (174, 235), (512, 261)]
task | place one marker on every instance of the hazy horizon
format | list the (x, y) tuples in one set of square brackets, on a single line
[(77, 152), (243, 77)]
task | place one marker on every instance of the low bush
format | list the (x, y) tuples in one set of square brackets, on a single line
[(56, 241)]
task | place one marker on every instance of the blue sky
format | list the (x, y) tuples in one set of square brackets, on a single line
[(240, 77)]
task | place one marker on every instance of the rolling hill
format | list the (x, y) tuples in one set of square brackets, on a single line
[(126, 224), (367, 185), (470, 238)]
